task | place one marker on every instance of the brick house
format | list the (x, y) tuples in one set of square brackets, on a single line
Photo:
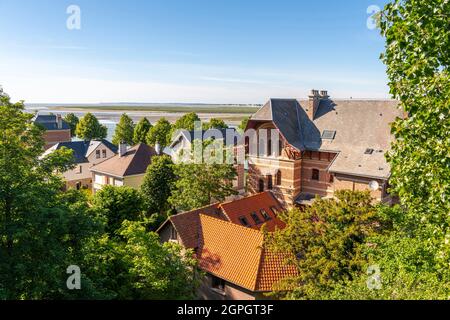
[(182, 144), (86, 154), (323, 145), (127, 168), (56, 129), (243, 269)]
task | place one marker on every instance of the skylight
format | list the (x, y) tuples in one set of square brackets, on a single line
[(328, 135)]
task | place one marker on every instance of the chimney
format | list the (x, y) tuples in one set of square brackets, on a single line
[(315, 97), (59, 121), (158, 148), (122, 149)]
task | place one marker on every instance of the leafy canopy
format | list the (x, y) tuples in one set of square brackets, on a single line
[(89, 128), (124, 131)]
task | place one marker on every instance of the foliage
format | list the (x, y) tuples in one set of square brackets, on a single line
[(72, 120), (160, 133), (199, 183), (158, 184), (186, 122), (243, 124), (326, 241), (89, 128), (41, 228), (118, 204), (141, 130), (140, 267), (215, 124), (124, 131)]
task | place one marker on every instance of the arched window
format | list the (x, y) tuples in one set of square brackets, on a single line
[(270, 182), (279, 178), (261, 185), (315, 175)]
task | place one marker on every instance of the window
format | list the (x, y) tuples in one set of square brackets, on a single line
[(369, 151), (279, 178), (328, 135), (274, 210), (173, 234), (98, 179), (80, 169), (315, 175), (97, 154), (261, 185), (280, 147), (244, 221), (265, 215), (269, 147), (104, 153), (331, 178), (256, 218), (270, 182), (218, 284), (78, 185)]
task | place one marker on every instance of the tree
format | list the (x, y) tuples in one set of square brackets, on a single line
[(160, 133), (72, 120), (243, 124), (41, 227), (141, 131), (326, 241), (197, 185), (138, 267), (124, 131), (118, 204), (215, 124), (186, 122), (158, 184), (90, 129)]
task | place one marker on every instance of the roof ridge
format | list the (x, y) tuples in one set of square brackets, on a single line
[(234, 224)]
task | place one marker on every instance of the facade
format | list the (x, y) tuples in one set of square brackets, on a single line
[(324, 145), (86, 154), (182, 145), (56, 129), (127, 168), (243, 269)]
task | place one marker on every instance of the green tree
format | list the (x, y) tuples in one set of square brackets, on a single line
[(138, 267), (89, 128), (186, 122), (160, 133), (118, 204), (158, 184), (215, 124), (72, 120), (326, 241), (141, 131), (124, 131), (41, 227), (243, 124)]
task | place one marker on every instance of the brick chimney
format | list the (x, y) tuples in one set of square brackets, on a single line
[(122, 149), (315, 97)]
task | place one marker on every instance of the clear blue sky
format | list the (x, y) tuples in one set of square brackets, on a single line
[(224, 51)]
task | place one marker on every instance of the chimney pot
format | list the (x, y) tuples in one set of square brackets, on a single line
[(59, 121)]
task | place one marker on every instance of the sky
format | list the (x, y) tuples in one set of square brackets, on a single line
[(204, 51)]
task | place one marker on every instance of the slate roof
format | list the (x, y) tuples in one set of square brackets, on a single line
[(134, 162), (359, 125), (238, 255), (82, 149), (50, 123)]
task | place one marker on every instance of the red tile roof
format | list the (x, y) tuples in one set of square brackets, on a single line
[(134, 162), (245, 207), (237, 254)]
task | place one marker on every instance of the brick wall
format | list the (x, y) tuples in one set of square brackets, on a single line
[(53, 137)]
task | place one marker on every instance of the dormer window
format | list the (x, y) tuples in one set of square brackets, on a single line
[(244, 221), (97, 154), (328, 135), (265, 215), (256, 218)]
